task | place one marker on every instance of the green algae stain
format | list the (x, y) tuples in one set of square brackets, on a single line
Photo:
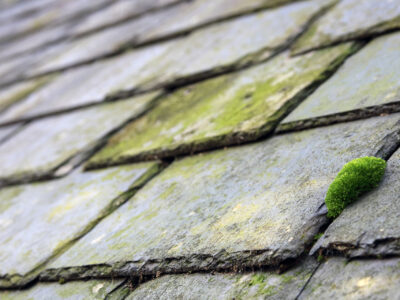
[(214, 111), (356, 178)]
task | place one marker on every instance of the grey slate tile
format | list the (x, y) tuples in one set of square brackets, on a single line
[(222, 111), (79, 290), (258, 285), (45, 145), (367, 79), (10, 95), (6, 132), (49, 14), (119, 11), (370, 226), (356, 280), (38, 220), (86, 85), (225, 42), (351, 19), (248, 206)]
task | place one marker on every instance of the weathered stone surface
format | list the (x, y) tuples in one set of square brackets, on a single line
[(370, 226), (226, 42), (47, 144), (350, 19), (33, 41), (88, 84), (5, 132), (49, 14), (93, 289), (259, 285), (248, 206), (38, 220), (17, 92), (222, 111), (13, 69), (119, 11), (358, 279), (369, 78)]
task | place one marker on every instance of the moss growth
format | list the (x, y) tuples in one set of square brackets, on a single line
[(257, 279), (356, 178), (318, 236)]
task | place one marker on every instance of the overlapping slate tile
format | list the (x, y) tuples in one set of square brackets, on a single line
[(259, 285), (54, 12), (85, 85), (366, 85), (34, 41), (14, 69), (225, 42), (38, 220), (79, 290), (45, 145), (370, 226), (119, 11), (351, 19), (358, 279), (17, 92), (222, 111), (248, 206)]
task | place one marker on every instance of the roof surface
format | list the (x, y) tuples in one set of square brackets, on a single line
[(178, 149)]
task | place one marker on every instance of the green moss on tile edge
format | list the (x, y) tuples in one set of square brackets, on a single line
[(354, 179)]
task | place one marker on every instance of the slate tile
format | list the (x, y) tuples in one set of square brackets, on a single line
[(34, 41), (370, 226), (49, 14), (367, 79), (86, 85), (38, 220), (6, 132), (209, 47), (45, 145), (222, 111), (79, 290), (16, 69), (118, 12), (254, 205), (348, 20), (258, 285), (14, 93), (357, 279)]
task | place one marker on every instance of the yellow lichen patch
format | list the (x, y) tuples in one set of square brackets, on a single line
[(63, 208)]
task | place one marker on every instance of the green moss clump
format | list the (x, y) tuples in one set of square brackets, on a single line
[(356, 177)]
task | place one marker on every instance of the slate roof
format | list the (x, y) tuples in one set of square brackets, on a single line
[(182, 149)]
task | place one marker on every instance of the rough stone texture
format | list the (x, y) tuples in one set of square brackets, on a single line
[(45, 145), (225, 43), (351, 19), (81, 86), (370, 226), (119, 11), (94, 289), (12, 94), (259, 285), (369, 78), (222, 111), (242, 207), (38, 220), (358, 279)]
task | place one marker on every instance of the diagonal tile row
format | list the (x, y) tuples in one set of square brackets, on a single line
[(200, 116)]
